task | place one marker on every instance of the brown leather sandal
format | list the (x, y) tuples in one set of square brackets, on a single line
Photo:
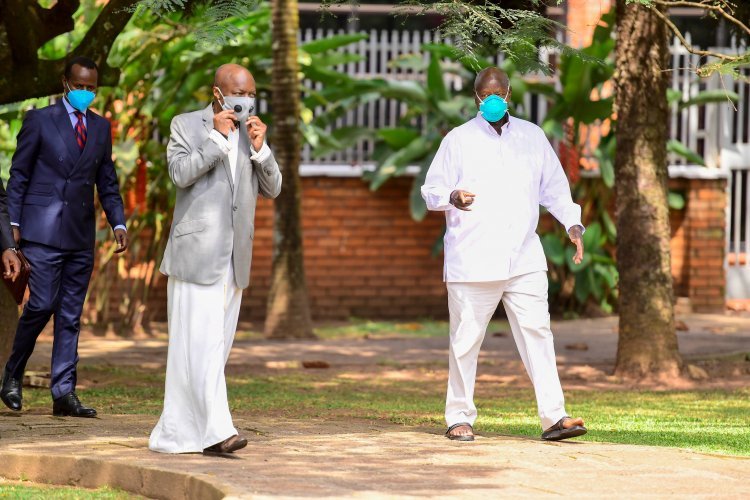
[(557, 432)]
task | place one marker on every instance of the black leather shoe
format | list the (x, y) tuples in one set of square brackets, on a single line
[(70, 406), (229, 445), (11, 392)]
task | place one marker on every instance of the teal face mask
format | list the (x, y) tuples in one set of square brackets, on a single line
[(80, 99), (494, 107)]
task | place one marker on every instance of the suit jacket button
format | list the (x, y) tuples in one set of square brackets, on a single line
[(59, 158), (234, 208), (66, 203)]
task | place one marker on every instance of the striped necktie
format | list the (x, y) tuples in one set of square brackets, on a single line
[(80, 131)]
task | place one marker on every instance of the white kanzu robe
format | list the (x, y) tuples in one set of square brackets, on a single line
[(493, 254), (202, 324)]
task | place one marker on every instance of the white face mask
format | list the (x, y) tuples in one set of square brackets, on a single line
[(242, 106)]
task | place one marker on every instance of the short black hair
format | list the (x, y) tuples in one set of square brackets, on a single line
[(84, 61)]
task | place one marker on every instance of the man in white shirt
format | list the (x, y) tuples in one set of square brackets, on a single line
[(220, 162), (489, 176)]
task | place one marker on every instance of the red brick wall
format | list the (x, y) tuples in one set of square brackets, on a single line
[(698, 243), (365, 257), (706, 220)]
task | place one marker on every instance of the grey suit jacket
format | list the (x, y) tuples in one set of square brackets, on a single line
[(213, 216), (6, 234)]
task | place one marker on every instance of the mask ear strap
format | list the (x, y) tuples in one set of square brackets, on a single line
[(506, 94), (222, 95)]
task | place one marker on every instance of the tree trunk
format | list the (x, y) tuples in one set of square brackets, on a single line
[(8, 321), (288, 310), (647, 344)]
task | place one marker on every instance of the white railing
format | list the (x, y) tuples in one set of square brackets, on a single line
[(377, 52), (707, 129)]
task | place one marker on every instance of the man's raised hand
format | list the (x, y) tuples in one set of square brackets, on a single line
[(224, 122), (462, 200), (256, 132)]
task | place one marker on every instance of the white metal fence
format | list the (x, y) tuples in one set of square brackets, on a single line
[(377, 52), (698, 127)]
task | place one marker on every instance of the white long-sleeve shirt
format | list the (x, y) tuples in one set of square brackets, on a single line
[(511, 175)]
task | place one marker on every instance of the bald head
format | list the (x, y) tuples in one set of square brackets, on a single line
[(233, 80), (489, 76), (491, 81)]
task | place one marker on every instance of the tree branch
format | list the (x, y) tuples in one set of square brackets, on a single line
[(715, 8), (688, 47), (55, 20), (21, 25), (27, 76)]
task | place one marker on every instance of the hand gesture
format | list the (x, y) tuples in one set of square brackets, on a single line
[(256, 132), (121, 236), (462, 200), (576, 236), (11, 264), (224, 121)]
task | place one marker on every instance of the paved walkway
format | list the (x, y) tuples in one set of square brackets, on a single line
[(358, 458), (363, 458)]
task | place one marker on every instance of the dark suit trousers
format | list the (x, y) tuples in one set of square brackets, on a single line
[(58, 284)]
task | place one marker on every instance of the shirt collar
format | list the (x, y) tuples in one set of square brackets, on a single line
[(485, 125), (68, 107)]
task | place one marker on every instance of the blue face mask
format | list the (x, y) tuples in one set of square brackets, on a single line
[(80, 99), (493, 107)]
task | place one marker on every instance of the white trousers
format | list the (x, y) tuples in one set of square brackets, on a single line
[(202, 323), (471, 306)]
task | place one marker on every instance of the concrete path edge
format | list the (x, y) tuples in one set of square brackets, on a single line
[(86, 472)]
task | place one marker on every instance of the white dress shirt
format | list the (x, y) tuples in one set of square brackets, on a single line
[(230, 146), (511, 175)]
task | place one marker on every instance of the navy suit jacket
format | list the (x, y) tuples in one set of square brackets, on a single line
[(51, 185), (6, 237)]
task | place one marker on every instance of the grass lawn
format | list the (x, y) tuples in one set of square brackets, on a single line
[(30, 491), (716, 421), (362, 328)]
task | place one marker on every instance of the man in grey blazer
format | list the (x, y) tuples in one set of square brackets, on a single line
[(219, 160)]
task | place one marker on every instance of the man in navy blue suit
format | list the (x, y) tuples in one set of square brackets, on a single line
[(63, 151)]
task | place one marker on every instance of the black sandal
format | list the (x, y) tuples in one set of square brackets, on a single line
[(558, 432), (454, 437)]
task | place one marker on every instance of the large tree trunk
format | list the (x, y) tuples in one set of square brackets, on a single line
[(25, 26), (8, 320), (647, 343), (288, 312)]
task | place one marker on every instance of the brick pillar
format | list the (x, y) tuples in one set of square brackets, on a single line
[(706, 221), (582, 18)]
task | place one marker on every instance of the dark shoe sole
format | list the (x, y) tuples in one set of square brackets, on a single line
[(461, 438), (10, 406), (565, 434), (69, 414), (237, 445)]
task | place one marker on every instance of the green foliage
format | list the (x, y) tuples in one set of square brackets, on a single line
[(167, 65), (217, 28)]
